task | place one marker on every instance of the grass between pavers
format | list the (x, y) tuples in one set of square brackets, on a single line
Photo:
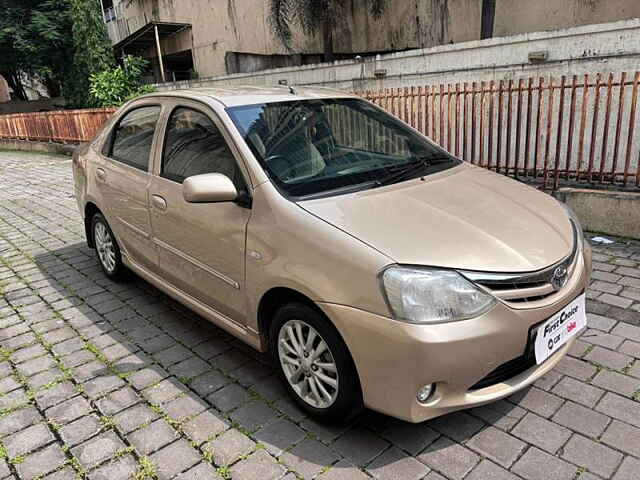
[(146, 469)]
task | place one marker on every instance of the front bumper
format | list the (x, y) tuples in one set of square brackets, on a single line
[(394, 359)]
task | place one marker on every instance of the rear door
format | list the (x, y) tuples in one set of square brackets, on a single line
[(123, 178), (200, 246)]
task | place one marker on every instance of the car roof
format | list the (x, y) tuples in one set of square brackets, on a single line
[(233, 96)]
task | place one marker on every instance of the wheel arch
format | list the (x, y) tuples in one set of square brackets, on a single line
[(90, 209)]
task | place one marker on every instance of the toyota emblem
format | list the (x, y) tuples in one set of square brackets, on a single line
[(559, 277)]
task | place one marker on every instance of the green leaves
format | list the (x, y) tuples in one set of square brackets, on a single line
[(114, 86)]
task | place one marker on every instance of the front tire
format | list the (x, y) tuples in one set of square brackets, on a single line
[(107, 248), (315, 364)]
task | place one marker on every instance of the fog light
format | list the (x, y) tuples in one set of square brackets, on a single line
[(424, 393)]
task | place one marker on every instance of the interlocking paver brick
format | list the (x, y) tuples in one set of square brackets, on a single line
[(42, 379), (538, 401), (69, 410), (189, 368), (600, 322), (102, 385), (205, 426), (498, 446), (19, 420), (123, 468), (98, 449), (201, 471), (66, 473), (450, 458), (541, 432), (257, 465), (410, 437), (280, 436), (606, 340), (309, 458), (631, 348), (147, 377), (576, 368), (490, 471), (184, 407), (80, 430), (130, 419), (578, 391), (538, 465), (628, 470), (597, 458), (229, 397), (174, 458), (28, 440), (623, 437), (394, 464), (581, 419), (459, 425), (56, 394), (208, 383), (617, 382), (41, 462), (117, 401), (608, 358), (254, 415), (164, 391), (8, 384), (229, 446), (621, 408), (153, 437)]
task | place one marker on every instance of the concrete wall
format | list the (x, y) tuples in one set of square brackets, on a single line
[(612, 47), (221, 26), (611, 213)]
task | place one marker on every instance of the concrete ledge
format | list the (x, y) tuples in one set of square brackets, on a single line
[(47, 147), (612, 213)]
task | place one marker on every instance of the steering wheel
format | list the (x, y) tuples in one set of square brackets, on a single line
[(283, 161)]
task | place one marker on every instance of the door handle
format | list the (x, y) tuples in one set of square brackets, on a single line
[(101, 174), (158, 202)]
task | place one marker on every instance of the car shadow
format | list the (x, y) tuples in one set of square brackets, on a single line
[(137, 336)]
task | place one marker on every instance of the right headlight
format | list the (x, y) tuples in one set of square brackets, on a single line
[(429, 295)]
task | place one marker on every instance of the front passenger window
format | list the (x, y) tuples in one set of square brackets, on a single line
[(194, 145), (133, 137)]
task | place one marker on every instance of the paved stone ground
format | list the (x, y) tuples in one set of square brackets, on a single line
[(116, 381)]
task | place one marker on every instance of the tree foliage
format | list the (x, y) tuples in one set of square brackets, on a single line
[(60, 42), (35, 39), (311, 16), (92, 50), (114, 86)]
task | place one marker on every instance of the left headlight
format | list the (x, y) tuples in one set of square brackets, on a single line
[(425, 295), (577, 228)]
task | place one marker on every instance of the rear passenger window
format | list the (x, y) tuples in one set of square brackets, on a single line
[(194, 145), (133, 136)]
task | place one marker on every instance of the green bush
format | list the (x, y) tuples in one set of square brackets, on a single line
[(113, 87)]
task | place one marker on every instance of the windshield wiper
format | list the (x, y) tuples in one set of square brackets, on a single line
[(404, 172), (410, 169)]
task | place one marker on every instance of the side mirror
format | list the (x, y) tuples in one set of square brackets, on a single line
[(209, 188)]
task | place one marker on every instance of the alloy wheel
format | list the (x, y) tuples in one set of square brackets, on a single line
[(308, 364), (105, 247)]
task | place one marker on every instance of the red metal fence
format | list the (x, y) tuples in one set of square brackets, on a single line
[(574, 130), (65, 126), (581, 129)]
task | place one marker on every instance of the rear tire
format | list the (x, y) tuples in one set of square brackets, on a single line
[(107, 248), (314, 364)]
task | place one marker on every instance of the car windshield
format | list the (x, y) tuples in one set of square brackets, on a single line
[(315, 148)]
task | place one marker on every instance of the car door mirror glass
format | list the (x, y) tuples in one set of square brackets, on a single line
[(209, 188)]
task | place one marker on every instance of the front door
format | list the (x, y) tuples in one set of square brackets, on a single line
[(200, 246), (123, 178)]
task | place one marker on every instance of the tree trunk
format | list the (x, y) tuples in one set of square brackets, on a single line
[(13, 80), (327, 37)]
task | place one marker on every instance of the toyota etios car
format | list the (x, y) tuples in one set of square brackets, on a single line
[(378, 269)]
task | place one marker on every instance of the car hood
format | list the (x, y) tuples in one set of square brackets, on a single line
[(465, 218)]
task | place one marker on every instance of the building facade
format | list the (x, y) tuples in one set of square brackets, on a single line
[(207, 38)]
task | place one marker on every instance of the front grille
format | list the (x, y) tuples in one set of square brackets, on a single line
[(511, 368), (519, 288)]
